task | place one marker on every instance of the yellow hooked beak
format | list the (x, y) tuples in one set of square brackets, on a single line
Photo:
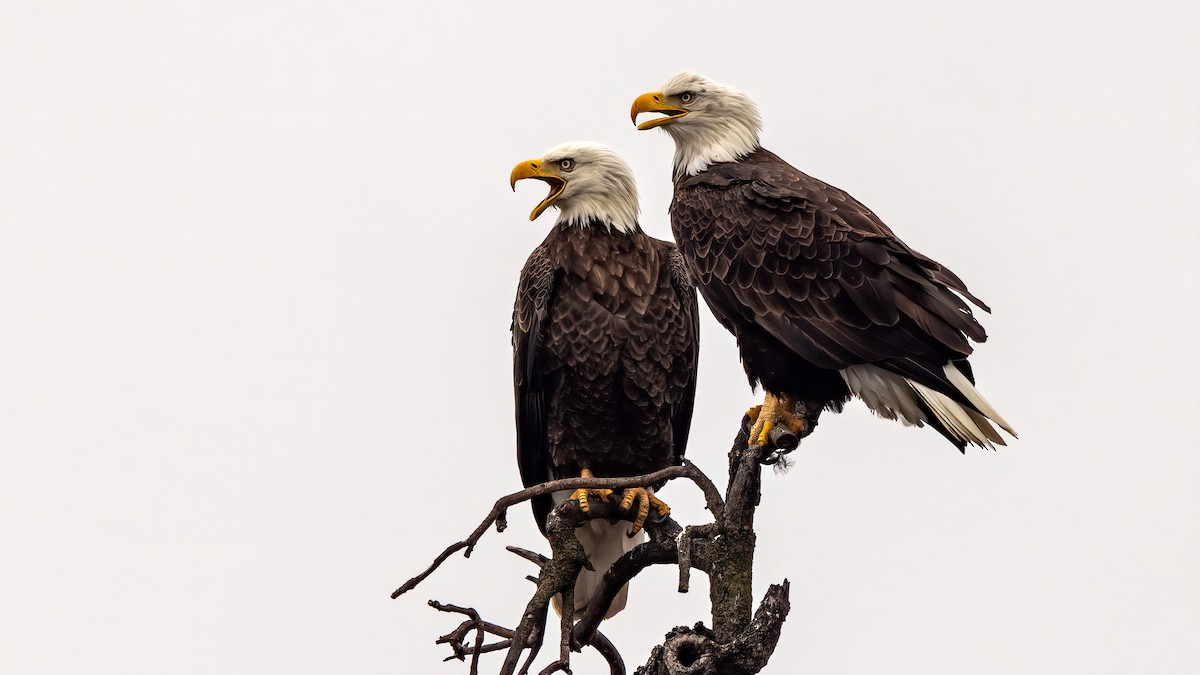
[(533, 168), (654, 102)]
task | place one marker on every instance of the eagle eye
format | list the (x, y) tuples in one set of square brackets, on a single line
[(566, 164), (687, 97)]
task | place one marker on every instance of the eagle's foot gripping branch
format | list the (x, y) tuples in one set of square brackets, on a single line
[(775, 422), (645, 499), (581, 495)]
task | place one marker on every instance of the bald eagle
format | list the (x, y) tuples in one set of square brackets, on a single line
[(605, 339), (825, 301)]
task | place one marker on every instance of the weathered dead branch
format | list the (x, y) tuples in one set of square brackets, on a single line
[(741, 640)]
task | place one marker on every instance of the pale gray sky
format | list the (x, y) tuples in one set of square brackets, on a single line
[(256, 269)]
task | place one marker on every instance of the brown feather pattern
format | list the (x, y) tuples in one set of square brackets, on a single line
[(811, 281), (605, 342)]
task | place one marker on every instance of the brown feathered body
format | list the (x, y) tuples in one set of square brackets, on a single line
[(605, 340), (812, 283)]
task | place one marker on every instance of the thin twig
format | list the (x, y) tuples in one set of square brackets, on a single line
[(712, 495), (497, 514), (535, 558), (558, 666), (455, 637), (478, 649), (437, 562), (616, 665)]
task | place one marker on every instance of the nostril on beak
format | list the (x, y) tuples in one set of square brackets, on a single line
[(657, 99)]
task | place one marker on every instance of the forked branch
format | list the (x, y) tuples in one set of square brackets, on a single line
[(498, 513), (738, 643)]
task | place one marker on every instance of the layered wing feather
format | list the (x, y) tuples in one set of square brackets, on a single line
[(820, 272), (687, 346), (535, 295), (645, 337)]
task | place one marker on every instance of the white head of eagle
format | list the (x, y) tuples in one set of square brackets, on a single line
[(589, 183), (710, 122)]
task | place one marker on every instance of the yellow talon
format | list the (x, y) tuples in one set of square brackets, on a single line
[(766, 418), (753, 413), (581, 495), (774, 411), (645, 499), (660, 506), (766, 431)]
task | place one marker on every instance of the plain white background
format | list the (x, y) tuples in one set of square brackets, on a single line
[(256, 270)]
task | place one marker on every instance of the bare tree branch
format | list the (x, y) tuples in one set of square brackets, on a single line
[(662, 549), (455, 637), (696, 651), (601, 644), (738, 643), (497, 515)]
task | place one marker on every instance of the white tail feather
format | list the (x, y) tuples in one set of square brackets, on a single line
[(604, 543), (897, 397), (947, 412), (964, 385), (987, 429), (956, 418), (885, 393)]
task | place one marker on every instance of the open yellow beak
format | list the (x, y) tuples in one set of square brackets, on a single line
[(654, 102), (533, 168)]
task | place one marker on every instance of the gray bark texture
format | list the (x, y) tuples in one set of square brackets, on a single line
[(737, 644), (741, 639)]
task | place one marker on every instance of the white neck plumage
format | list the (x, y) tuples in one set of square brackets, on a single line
[(586, 210), (699, 146)]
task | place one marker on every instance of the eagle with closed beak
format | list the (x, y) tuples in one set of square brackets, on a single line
[(824, 299)]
